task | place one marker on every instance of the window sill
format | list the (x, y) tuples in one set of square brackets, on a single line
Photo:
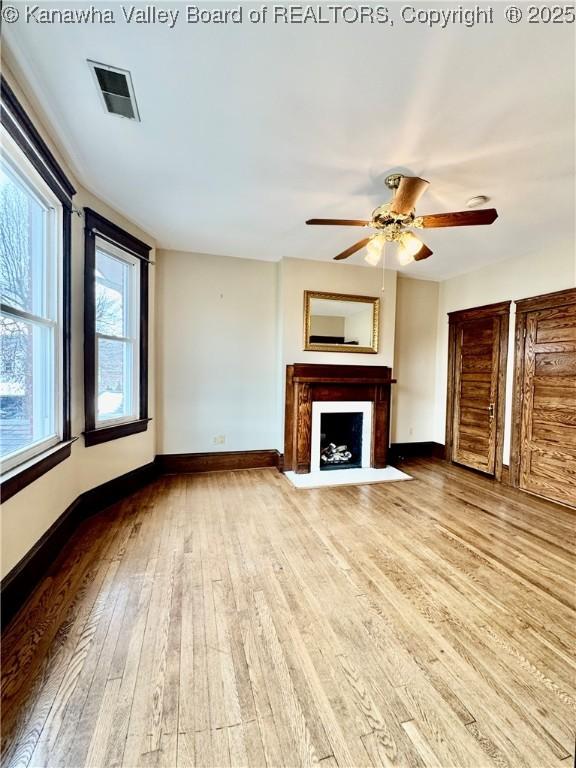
[(20, 477), (113, 432)]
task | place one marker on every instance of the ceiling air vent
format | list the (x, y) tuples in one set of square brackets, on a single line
[(116, 90)]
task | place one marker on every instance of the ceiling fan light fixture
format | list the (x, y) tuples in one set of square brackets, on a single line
[(372, 258), (408, 247), (374, 251), (404, 258)]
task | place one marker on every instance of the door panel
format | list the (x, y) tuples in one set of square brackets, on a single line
[(553, 398), (558, 363), (476, 364), (548, 404), (557, 327)]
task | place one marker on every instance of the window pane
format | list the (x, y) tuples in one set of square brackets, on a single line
[(23, 246), (112, 281), (114, 379), (27, 384)]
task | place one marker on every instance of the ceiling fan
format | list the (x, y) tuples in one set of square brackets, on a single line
[(392, 221)]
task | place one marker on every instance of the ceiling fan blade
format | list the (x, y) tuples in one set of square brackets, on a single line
[(423, 253), (461, 218), (341, 222), (353, 248), (410, 189)]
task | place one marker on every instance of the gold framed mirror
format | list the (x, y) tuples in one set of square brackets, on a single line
[(340, 322)]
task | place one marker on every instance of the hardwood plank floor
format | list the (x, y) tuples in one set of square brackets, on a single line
[(228, 619)]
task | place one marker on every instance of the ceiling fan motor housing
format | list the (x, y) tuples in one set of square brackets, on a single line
[(383, 217), (392, 181)]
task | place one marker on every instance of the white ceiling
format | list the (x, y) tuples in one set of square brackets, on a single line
[(248, 130)]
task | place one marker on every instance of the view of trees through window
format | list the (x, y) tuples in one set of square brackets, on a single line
[(27, 331), (115, 345)]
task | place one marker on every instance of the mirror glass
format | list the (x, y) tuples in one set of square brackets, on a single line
[(335, 322)]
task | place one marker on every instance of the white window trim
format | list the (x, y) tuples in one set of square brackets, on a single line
[(133, 306), (37, 187)]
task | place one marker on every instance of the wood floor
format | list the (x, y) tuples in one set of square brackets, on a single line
[(228, 619)]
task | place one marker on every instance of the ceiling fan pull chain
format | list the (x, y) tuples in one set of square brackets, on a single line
[(384, 249)]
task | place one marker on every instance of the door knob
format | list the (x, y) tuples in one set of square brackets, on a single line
[(491, 410)]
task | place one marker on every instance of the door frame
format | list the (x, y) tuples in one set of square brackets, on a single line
[(501, 310), (523, 308)]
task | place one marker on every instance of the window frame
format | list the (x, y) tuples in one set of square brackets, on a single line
[(31, 155), (98, 228)]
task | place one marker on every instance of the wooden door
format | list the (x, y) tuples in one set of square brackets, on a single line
[(546, 396), (476, 387)]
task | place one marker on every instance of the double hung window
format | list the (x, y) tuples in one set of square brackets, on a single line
[(115, 332), (35, 226)]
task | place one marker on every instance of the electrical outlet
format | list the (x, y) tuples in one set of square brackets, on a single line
[(410, 431), (219, 439)]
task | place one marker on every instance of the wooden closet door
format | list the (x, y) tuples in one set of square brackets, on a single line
[(476, 388), (548, 404), (477, 353)]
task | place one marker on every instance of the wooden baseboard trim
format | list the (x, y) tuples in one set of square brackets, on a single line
[(190, 463), (17, 585), (439, 451), (399, 451)]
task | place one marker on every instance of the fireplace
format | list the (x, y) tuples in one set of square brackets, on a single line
[(313, 390), (341, 435), (341, 441)]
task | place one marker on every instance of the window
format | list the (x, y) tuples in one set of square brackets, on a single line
[(117, 334), (35, 207), (30, 329), (116, 330)]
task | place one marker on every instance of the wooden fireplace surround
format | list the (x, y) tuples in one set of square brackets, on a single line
[(306, 382)]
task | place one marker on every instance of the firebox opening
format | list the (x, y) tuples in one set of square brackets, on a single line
[(340, 440)]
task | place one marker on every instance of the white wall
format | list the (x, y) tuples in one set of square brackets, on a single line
[(299, 275), (413, 395), (227, 327), (516, 278), (27, 515), (217, 353)]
